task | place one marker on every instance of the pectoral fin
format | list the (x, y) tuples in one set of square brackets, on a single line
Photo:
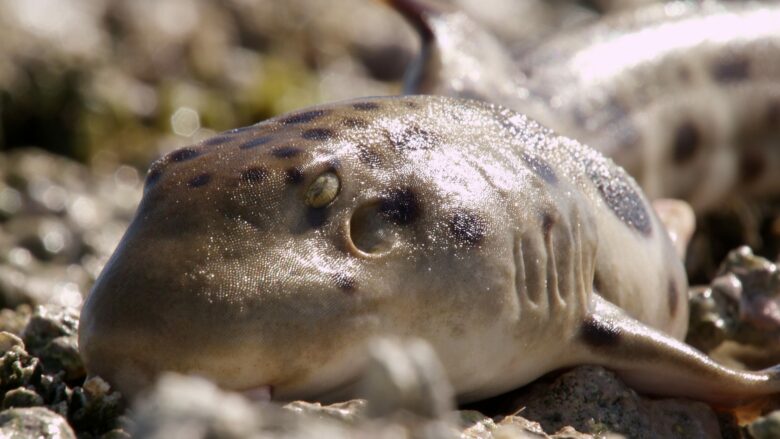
[(655, 363)]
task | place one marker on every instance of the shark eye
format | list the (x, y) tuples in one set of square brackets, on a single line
[(323, 190)]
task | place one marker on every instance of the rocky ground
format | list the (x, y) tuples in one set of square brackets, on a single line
[(51, 250), (113, 84), (44, 394)]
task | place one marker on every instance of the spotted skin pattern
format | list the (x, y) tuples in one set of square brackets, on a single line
[(470, 226), (679, 94)]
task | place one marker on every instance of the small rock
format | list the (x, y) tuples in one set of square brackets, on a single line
[(14, 321), (8, 341), (49, 322), (192, 407), (766, 427), (475, 425), (21, 397), (52, 335), (18, 369), (96, 387), (517, 427), (94, 407), (737, 319), (62, 353), (406, 375), (91, 409), (347, 411), (180, 406), (37, 422), (593, 400), (759, 301), (710, 317)]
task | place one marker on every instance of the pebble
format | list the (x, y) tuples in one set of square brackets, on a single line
[(34, 422)]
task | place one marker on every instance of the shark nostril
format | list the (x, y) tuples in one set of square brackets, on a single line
[(370, 231)]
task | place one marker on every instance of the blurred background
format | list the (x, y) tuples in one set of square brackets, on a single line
[(112, 80)]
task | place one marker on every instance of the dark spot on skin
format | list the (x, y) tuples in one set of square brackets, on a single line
[(413, 138), (598, 333), (316, 217), (254, 143), (731, 69), (318, 134), (540, 168), (184, 154), (547, 224), (352, 122), (294, 175), (673, 296), (468, 228), (620, 195), (345, 282), (285, 152), (366, 106), (752, 165), (199, 181), (400, 206), (368, 156), (254, 175), (217, 140), (153, 176), (304, 117), (686, 141)]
